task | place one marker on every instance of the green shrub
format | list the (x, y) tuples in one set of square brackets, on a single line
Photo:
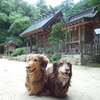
[(55, 58), (18, 51)]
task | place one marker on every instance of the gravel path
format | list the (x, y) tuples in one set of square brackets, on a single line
[(85, 83)]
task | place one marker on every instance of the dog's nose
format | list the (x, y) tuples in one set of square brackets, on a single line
[(67, 70), (27, 67)]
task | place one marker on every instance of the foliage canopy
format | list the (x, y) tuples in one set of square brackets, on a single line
[(17, 15)]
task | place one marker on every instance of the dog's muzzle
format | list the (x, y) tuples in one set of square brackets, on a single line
[(30, 71)]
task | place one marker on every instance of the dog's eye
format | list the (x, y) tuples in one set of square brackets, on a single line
[(61, 63), (28, 59), (35, 60)]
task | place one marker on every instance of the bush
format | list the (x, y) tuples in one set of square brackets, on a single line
[(18, 51), (55, 58)]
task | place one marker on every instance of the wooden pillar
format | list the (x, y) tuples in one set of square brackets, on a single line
[(36, 41), (98, 44), (91, 48), (30, 44), (79, 36), (4, 49), (27, 47), (65, 43), (44, 42), (66, 47), (84, 44)]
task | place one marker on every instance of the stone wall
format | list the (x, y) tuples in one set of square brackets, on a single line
[(79, 59), (73, 58), (88, 59), (76, 59), (17, 58), (98, 59)]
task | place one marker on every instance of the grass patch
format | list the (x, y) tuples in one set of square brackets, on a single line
[(18, 51), (54, 58)]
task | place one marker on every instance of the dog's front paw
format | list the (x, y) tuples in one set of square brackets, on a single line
[(27, 86), (31, 93)]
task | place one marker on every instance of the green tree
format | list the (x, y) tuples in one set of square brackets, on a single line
[(15, 17), (41, 4), (56, 35), (94, 3), (77, 8), (18, 23)]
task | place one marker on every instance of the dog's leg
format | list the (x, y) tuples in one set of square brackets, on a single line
[(45, 93), (27, 86), (31, 91)]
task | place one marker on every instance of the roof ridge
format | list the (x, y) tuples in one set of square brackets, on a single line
[(45, 17), (41, 25), (92, 8)]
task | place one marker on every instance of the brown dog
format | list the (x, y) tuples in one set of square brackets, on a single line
[(59, 77), (36, 73)]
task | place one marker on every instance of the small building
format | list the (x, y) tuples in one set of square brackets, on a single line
[(79, 41), (9, 47), (40, 30), (97, 41), (97, 35)]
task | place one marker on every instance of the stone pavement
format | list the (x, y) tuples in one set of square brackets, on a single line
[(85, 83)]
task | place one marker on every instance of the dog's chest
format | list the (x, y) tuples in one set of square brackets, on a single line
[(64, 82)]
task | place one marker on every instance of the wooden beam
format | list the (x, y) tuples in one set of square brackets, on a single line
[(72, 42), (75, 25), (77, 42), (31, 32)]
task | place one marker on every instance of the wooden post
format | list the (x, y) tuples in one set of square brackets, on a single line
[(66, 47), (79, 36), (91, 48), (44, 42), (27, 48), (30, 44), (4, 49), (84, 44)]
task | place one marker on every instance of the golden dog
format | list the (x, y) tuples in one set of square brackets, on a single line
[(36, 73)]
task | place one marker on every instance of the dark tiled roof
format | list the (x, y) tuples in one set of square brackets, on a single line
[(11, 41), (44, 22), (36, 25), (90, 13)]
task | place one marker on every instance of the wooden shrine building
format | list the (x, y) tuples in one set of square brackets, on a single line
[(40, 30), (80, 39), (9, 47), (81, 45)]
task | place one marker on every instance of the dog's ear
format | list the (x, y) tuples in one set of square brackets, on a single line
[(44, 61), (70, 65), (55, 64)]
